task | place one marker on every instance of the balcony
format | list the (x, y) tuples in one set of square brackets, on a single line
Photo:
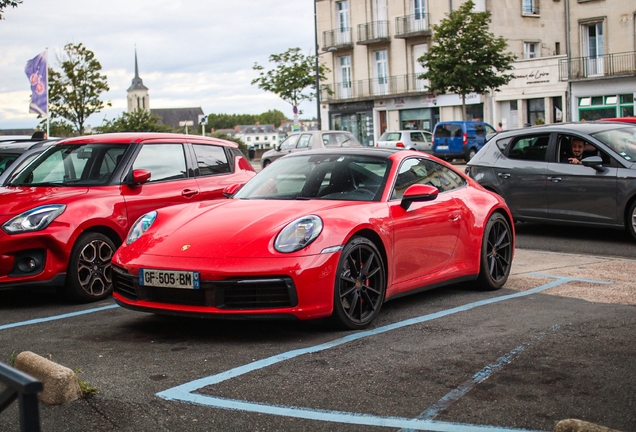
[(364, 89), (373, 32), (337, 39), (589, 68), (412, 26)]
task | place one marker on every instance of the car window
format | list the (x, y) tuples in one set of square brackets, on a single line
[(417, 137), (622, 141), (489, 129), (164, 161), (442, 131), (211, 159), (503, 143), (77, 165), (532, 147), (391, 136), (425, 171), (6, 160), (428, 136), (290, 142), (480, 130), (455, 131), (304, 141), (565, 152), (338, 139)]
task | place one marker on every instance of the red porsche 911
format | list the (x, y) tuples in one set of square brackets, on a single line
[(324, 233)]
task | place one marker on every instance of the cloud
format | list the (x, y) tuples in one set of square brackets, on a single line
[(191, 53)]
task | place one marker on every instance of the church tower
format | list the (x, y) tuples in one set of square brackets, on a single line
[(138, 93)]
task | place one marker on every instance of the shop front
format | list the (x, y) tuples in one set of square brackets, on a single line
[(355, 117), (593, 100)]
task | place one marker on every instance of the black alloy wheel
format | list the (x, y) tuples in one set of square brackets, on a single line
[(89, 275), (496, 253), (360, 285)]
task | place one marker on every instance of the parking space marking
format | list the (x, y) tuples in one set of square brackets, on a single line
[(186, 392), (55, 317)]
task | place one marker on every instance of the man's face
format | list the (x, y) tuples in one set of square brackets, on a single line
[(577, 148)]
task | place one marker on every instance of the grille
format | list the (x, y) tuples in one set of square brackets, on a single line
[(235, 294)]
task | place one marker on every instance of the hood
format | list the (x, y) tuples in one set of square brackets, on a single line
[(225, 228), (15, 200)]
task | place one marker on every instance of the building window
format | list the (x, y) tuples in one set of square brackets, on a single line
[(530, 50), (381, 72), (249, 138), (593, 48), (536, 111), (256, 138), (598, 107), (344, 86), (530, 7)]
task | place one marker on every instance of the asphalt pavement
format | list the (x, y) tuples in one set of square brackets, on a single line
[(555, 343)]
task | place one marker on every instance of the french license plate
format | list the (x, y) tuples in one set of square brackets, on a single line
[(169, 279), (442, 147)]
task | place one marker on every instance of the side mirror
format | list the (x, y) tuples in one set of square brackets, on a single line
[(418, 193), (229, 191), (593, 161), (140, 176)]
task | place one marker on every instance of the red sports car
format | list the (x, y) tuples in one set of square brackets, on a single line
[(64, 214), (323, 233)]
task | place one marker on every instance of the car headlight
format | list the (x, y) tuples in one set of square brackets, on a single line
[(34, 220), (298, 234), (141, 226)]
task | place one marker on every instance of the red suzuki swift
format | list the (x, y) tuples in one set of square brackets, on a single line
[(63, 215)]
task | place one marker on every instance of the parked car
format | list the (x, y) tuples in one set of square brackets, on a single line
[(64, 214), (531, 169), (301, 141), (459, 139), (407, 140), (16, 154), (323, 233), (621, 119)]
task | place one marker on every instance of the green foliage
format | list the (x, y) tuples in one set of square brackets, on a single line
[(59, 128), (242, 145), (12, 359), (87, 389), (228, 121), (294, 72), (465, 56), (136, 121), (74, 93), (6, 3)]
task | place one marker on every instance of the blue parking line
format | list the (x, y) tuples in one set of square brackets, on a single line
[(56, 317), (185, 392)]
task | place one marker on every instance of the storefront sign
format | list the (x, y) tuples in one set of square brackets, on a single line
[(535, 76)]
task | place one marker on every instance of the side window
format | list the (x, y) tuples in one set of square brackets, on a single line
[(480, 130), (428, 136), (164, 161), (211, 159), (532, 147), (571, 149), (111, 159), (425, 171), (489, 129), (290, 142), (417, 137), (304, 141)]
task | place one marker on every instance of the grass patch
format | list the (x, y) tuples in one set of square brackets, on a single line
[(87, 389), (12, 358)]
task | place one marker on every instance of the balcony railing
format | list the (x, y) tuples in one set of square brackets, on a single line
[(338, 38), (373, 32), (388, 86), (412, 25), (609, 65)]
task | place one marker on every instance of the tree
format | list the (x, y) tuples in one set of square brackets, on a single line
[(6, 3), (241, 144), (137, 121), (74, 93), (293, 74), (465, 57), (273, 117)]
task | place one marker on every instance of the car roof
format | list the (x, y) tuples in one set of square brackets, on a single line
[(137, 137), (356, 151), (22, 146), (587, 127)]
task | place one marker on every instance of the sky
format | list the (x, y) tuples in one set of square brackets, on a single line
[(191, 53)]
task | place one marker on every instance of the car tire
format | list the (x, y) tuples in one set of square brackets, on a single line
[(360, 285), (89, 274), (496, 253), (471, 154), (630, 220)]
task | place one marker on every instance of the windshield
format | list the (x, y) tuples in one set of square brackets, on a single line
[(74, 165), (7, 159), (324, 176), (622, 141)]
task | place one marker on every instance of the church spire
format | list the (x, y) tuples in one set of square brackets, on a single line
[(137, 83)]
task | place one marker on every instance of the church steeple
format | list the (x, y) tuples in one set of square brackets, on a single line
[(138, 97)]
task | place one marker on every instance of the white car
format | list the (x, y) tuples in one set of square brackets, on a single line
[(407, 140)]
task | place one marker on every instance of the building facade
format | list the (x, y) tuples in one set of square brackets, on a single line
[(372, 48)]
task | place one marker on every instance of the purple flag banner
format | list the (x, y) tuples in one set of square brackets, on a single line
[(36, 70)]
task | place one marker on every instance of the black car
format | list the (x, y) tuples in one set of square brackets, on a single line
[(540, 178)]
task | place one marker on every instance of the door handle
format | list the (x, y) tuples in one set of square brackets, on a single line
[(503, 175), (454, 217), (554, 179), (189, 193)]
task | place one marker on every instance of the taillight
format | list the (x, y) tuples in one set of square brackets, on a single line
[(464, 139), (377, 144), (399, 144)]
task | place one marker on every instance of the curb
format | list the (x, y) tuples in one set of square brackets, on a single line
[(61, 384), (573, 425)]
